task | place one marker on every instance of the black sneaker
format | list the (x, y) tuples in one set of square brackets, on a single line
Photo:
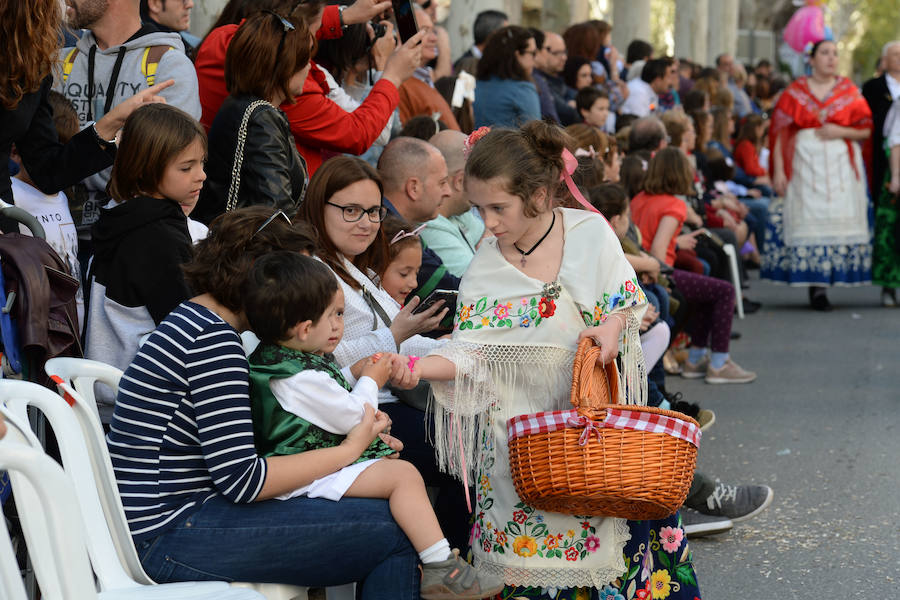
[(736, 502), (697, 524)]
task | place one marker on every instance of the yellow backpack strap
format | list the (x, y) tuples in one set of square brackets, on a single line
[(150, 61), (68, 63)]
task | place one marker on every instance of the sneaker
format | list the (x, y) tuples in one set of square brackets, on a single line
[(455, 579), (670, 363), (696, 524), (706, 418), (736, 502), (730, 372), (695, 371), (888, 297)]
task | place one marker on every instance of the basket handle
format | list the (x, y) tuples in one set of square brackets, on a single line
[(593, 385)]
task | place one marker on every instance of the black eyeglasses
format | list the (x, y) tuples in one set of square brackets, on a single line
[(354, 213), (286, 26), (275, 215)]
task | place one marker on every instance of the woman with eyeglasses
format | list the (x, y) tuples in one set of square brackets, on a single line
[(252, 156), (199, 499), (505, 94), (344, 205)]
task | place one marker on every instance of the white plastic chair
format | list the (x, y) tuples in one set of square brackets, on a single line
[(81, 374), (731, 253), (112, 579)]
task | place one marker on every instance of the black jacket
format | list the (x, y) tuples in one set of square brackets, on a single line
[(272, 172), (139, 247), (567, 114), (51, 165), (876, 93)]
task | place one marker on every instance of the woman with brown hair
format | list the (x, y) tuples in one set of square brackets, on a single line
[(344, 204), (253, 159), (206, 510), (505, 95), (30, 33)]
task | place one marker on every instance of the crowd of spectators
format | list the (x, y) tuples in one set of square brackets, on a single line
[(168, 164)]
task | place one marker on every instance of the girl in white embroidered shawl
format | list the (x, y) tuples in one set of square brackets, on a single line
[(547, 278)]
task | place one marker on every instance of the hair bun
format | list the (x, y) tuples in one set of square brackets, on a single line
[(548, 141)]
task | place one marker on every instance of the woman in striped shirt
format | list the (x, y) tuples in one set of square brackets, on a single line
[(195, 491)]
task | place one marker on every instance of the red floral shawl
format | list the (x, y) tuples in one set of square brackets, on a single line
[(798, 108)]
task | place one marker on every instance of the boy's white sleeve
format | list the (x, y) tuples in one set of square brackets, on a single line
[(319, 399)]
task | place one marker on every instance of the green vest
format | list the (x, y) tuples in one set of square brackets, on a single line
[(277, 431)]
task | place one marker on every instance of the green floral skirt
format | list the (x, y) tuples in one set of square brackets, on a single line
[(658, 566), (886, 257)]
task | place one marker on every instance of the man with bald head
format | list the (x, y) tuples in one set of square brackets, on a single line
[(415, 179), (456, 231), (417, 94)]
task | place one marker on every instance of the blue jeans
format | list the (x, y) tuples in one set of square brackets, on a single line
[(302, 541), (759, 209)]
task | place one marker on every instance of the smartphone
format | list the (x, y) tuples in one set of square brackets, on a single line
[(448, 296), (406, 19)]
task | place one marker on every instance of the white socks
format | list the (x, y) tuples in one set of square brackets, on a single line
[(437, 552)]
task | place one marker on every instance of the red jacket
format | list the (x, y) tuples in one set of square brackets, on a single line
[(319, 125), (747, 158)]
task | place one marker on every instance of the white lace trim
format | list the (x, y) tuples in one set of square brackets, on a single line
[(571, 577)]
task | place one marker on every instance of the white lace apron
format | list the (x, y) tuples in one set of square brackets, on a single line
[(513, 345)]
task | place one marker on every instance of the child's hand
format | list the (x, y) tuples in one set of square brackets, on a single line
[(402, 376), (393, 442), (379, 368), (367, 430)]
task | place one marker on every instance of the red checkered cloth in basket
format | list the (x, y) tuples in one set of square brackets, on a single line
[(616, 418)]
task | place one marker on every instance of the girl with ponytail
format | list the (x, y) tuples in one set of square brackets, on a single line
[(549, 277)]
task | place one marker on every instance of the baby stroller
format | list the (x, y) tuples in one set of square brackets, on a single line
[(38, 320)]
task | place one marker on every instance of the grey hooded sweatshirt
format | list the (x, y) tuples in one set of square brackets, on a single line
[(130, 80)]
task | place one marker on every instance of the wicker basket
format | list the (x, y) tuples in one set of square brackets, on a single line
[(625, 473)]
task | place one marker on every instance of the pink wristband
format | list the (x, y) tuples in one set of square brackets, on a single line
[(412, 362)]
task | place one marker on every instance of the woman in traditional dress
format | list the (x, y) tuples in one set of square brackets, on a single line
[(886, 257), (819, 233), (548, 277)]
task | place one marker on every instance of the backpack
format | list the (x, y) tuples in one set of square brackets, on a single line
[(149, 62)]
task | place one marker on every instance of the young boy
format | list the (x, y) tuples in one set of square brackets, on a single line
[(301, 401), (52, 212), (593, 106)]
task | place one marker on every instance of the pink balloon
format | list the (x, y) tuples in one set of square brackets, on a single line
[(807, 25)]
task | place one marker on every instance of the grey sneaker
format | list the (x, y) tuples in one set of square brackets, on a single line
[(455, 579), (697, 524), (737, 502), (730, 372), (695, 371)]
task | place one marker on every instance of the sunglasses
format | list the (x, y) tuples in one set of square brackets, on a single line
[(285, 27), (275, 215)]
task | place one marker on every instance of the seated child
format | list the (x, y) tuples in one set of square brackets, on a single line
[(593, 106), (400, 276), (302, 401)]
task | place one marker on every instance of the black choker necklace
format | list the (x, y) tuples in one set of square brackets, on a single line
[(543, 237)]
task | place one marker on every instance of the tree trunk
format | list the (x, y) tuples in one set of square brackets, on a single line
[(723, 26), (631, 21), (692, 29)]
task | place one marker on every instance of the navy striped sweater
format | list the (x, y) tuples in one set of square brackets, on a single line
[(181, 431)]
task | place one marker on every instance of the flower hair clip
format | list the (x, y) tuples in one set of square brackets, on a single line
[(403, 234), (473, 139)]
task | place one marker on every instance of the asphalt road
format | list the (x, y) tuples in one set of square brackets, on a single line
[(821, 426)]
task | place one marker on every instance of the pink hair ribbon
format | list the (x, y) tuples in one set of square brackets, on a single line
[(571, 163)]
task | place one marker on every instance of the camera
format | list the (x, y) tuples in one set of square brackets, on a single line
[(379, 28)]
